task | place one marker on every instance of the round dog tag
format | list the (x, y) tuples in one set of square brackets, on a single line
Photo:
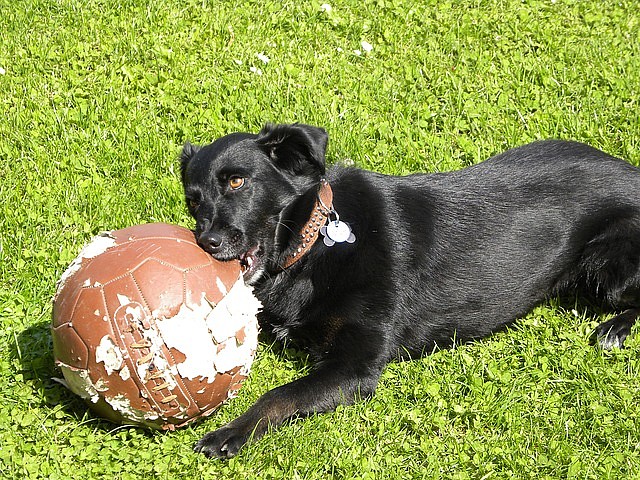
[(338, 231)]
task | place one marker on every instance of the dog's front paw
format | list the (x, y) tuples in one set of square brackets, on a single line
[(222, 443)]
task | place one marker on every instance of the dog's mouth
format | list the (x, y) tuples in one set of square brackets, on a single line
[(251, 263)]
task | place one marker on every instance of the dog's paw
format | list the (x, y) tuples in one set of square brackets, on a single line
[(613, 333), (222, 443)]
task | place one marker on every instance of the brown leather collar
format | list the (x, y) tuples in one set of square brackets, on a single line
[(310, 231)]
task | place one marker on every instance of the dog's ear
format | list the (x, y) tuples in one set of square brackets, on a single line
[(188, 152), (296, 148)]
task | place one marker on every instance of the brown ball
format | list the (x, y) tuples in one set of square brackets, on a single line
[(150, 329)]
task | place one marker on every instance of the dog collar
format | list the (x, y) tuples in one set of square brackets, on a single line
[(310, 231)]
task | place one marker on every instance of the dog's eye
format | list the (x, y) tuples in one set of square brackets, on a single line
[(236, 182), (193, 204)]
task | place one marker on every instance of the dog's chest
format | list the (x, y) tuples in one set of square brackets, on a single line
[(285, 307)]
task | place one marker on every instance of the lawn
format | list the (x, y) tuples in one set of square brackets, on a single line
[(96, 99)]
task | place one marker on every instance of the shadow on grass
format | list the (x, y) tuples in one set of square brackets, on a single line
[(34, 350), (286, 350)]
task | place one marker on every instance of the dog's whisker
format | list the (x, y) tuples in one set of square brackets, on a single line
[(290, 229)]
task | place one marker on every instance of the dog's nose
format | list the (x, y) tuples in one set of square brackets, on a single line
[(210, 241)]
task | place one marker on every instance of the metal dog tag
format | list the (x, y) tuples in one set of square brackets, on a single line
[(337, 232)]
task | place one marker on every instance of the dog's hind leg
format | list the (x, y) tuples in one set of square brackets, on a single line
[(624, 296), (612, 263), (613, 333)]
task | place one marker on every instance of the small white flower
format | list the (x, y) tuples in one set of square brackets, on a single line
[(366, 46), (261, 56), (340, 49), (237, 62), (2, 71), (255, 70), (357, 52), (325, 7)]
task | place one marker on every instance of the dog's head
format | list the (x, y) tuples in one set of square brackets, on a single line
[(238, 187)]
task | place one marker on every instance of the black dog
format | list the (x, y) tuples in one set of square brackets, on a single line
[(361, 268)]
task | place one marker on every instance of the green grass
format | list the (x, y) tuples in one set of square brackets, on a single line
[(96, 98)]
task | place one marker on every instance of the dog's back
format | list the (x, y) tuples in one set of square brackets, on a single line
[(467, 252)]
